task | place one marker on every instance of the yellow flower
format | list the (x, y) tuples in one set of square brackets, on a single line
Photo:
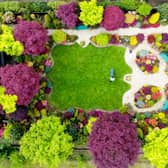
[(161, 115), (154, 18), (133, 41), (155, 69), (129, 18), (90, 124), (29, 63), (158, 44), (155, 89)]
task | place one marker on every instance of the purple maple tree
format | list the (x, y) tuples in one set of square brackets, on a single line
[(68, 15), (20, 80), (113, 141), (33, 36), (113, 18)]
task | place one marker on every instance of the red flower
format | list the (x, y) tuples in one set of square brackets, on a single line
[(81, 111), (156, 95), (151, 39), (153, 122)]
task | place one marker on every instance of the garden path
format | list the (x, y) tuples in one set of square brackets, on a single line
[(138, 78)]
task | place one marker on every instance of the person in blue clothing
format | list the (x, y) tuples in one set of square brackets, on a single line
[(112, 75)]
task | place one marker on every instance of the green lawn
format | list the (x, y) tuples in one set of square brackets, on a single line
[(80, 77)]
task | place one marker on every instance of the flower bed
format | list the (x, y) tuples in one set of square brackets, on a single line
[(147, 96), (159, 41), (147, 62), (104, 40)]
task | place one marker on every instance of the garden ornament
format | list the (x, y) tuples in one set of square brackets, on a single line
[(112, 77)]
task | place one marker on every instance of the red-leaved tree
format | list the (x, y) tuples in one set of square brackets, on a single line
[(113, 18), (20, 80)]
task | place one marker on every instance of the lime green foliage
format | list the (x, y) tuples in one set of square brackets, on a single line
[(162, 9), (144, 9), (13, 132), (13, 6), (17, 160), (127, 4), (80, 77), (46, 143), (102, 39), (8, 102), (59, 36), (55, 4), (90, 14), (155, 148), (90, 124), (8, 43), (7, 131)]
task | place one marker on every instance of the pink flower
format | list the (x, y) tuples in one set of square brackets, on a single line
[(48, 62), (44, 103), (1, 131)]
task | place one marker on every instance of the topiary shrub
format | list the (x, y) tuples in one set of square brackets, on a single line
[(33, 36), (59, 36), (113, 18), (102, 39), (113, 141), (144, 9), (68, 14), (46, 143), (155, 148), (8, 44), (90, 14), (20, 80)]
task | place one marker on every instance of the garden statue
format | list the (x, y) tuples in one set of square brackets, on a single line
[(112, 77)]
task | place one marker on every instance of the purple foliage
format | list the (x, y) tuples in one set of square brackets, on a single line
[(20, 114), (140, 37), (113, 18), (20, 80), (96, 113), (68, 14), (164, 36), (114, 141), (33, 36), (39, 106)]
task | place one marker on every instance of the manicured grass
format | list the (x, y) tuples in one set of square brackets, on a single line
[(80, 77)]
